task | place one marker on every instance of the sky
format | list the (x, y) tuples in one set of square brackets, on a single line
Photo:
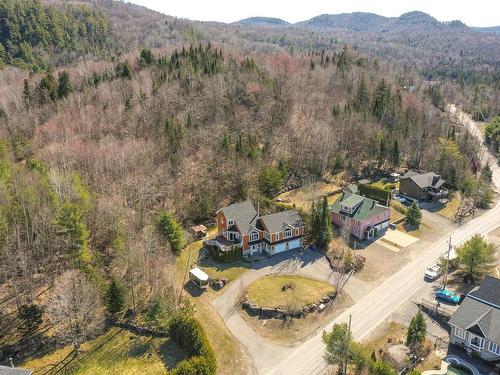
[(471, 12)]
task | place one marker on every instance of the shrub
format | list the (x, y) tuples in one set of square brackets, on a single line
[(31, 317), (189, 334), (171, 231), (374, 192)]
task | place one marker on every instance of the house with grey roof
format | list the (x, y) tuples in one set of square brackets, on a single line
[(422, 186), (240, 225), (475, 326), (11, 370), (364, 217)]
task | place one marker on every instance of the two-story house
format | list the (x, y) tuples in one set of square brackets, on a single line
[(422, 187), (475, 326), (364, 217), (241, 225)]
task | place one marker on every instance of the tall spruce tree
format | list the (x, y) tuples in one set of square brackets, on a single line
[(417, 330), (171, 231), (395, 153), (115, 297)]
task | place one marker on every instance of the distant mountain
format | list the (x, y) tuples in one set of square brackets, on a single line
[(357, 21), (491, 29), (261, 21)]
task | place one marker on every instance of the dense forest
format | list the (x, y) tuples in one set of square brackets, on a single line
[(34, 36), (103, 151)]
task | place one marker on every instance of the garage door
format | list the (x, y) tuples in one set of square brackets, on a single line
[(294, 244), (382, 226), (280, 248)]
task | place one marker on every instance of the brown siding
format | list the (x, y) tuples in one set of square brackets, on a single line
[(410, 188), (221, 222), (281, 235), (245, 241)]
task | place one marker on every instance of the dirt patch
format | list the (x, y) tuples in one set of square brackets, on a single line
[(293, 332)]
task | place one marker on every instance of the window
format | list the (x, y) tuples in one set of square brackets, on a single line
[(230, 222), (266, 236), (494, 348), (254, 236), (296, 232), (288, 233), (459, 332), (476, 342)]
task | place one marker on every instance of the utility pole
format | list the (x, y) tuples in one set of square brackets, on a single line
[(346, 354), (445, 279)]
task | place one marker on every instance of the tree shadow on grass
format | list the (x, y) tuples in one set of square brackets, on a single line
[(171, 353)]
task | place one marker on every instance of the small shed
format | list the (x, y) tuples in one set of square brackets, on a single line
[(199, 231), (199, 278)]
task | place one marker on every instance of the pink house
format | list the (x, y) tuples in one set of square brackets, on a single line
[(364, 217)]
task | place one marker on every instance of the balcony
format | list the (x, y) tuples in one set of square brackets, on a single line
[(222, 243)]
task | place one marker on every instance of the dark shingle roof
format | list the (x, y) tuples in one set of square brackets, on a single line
[(488, 291), (424, 180), (367, 208), (478, 316), (244, 215), (280, 220)]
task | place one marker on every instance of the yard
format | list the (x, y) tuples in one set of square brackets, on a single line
[(118, 351), (287, 290), (303, 197), (215, 270), (450, 208), (296, 330)]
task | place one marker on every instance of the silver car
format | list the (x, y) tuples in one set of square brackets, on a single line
[(432, 272)]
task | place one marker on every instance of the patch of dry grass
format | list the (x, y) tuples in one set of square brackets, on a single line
[(303, 197), (268, 291), (451, 207)]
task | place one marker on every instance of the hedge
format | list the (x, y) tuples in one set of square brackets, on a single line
[(189, 334), (370, 191)]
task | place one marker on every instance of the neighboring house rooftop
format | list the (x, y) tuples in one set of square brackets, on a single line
[(479, 312), (7, 370), (280, 220), (244, 215), (352, 188), (424, 180), (367, 208), (488, 291)]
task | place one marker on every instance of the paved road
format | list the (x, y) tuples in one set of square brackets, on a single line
[(376, 306)]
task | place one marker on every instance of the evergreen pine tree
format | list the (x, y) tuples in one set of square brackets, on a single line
[(362, 100), (27, 94), (115, 298), (64, 86), (395, 153), (171, 231), (417, 330), (413, 215)]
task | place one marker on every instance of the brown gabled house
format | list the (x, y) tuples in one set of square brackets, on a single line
[(422, 187), (241, 225)]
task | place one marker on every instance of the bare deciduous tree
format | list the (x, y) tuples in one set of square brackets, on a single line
[(75, 308)]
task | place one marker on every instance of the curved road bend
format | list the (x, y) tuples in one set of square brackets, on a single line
[(377, 305)]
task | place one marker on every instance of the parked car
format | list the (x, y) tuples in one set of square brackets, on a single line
[(399, 199), (432, 272), (447, 296)]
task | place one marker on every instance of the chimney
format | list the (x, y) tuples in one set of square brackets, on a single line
[(258, 209)]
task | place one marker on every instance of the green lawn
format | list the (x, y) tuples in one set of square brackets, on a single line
[(382, 184), (215, 270), (267, 291), (118, 351)]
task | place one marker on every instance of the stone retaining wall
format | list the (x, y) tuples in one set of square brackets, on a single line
[(254, 309)]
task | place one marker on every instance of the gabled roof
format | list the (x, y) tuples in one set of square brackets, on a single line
[(366, 207), (352, 188), (280, 220), (244, 215), (424, 180), (478, 313), (488, 291)]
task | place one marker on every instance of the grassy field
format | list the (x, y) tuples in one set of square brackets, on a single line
[(267, 291), (303, 197), (116, 352), (450, 208)]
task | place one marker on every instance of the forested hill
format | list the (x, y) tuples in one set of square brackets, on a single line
[(33, 35)]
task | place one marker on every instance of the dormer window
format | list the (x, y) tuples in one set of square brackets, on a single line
[(288, 233), (345, 208), (254, 236), (230, 222)]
